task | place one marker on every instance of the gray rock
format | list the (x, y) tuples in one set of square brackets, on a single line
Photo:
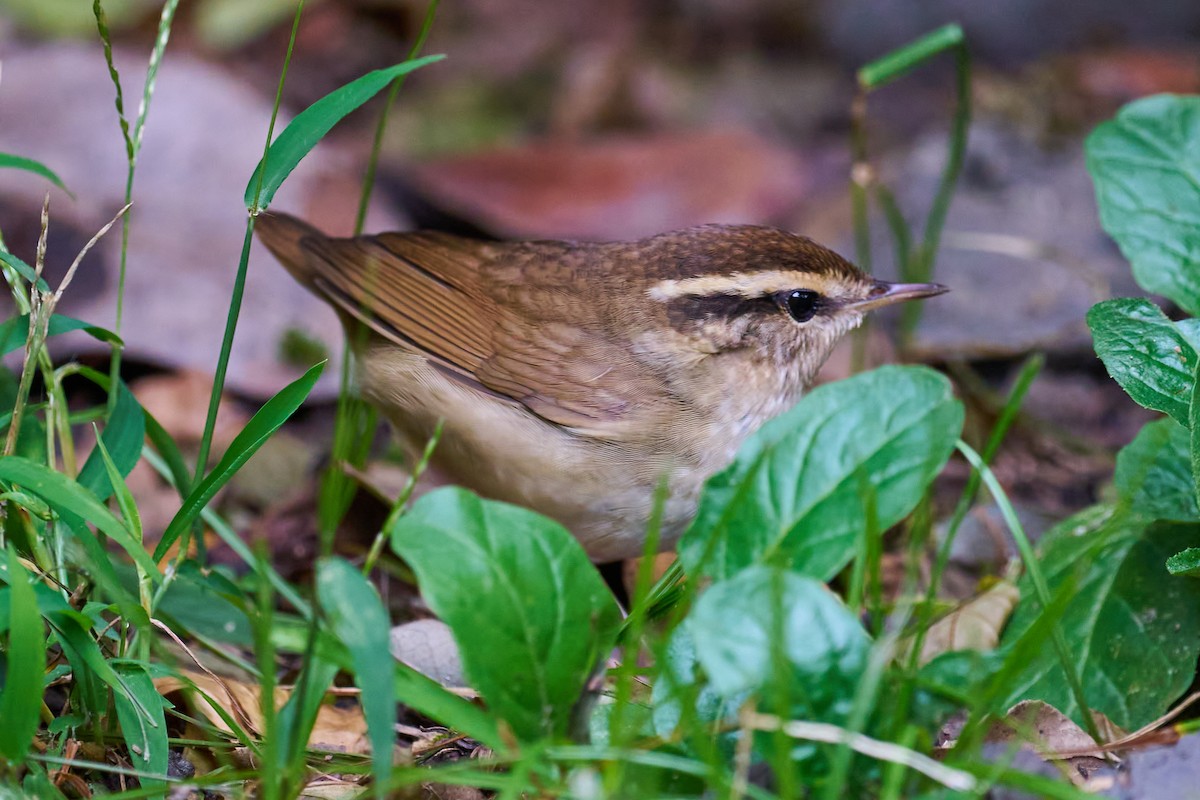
[(428, 646), (1022, 251)]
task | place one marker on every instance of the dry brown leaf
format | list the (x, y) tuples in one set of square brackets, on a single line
[(615, 189), (342, 730), (1050, 732), (974, 625)]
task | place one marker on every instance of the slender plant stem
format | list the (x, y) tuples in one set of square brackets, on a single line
[(1041, 588), (239, 283), (355, 422)]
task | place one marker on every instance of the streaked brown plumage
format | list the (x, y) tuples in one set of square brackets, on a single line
[(572, 377)]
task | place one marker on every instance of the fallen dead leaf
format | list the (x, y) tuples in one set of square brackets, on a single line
[(615, 189), (1050, 732), (337, 729), (974, 625)]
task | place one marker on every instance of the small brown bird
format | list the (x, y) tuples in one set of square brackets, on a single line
[(573, 377)]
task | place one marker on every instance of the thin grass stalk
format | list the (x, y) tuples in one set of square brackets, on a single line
[(631, 639), (1008, 415), (1041, 588), (355, 421), (936, 220), (925, 611), (401, 503), (861, 177), (239, 284), (133, 147)]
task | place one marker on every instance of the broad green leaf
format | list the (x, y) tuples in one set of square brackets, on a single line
[(123, 438), (1186, 563), (260, 428), (69, 498), (10, 161), (311, 124), (795, 492), (143, 723), (357, 618), (1145, 164), (21, 698), (748, 627), (15, 331), (531, 615), (1144, 353), (192, 603), (1189, 327), (682, 700), (1135, 631), (1154, 473), (24, 270), (1194, 426)]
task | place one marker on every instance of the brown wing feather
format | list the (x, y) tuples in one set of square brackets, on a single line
[(407, 299), (467, 306)]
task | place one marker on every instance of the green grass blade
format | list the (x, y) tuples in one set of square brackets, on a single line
[(123, 437), (899, 63), (260, 428), (66, 495), (15, 331), (357, 618), (26, 658), (164, 444), (24, 270), (1029, 558), (311, 124), (143, 723), (10, 161)]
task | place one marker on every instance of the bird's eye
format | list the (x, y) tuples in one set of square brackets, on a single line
[(801, 304)]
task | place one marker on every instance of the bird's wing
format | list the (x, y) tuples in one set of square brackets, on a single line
[(475, 315)]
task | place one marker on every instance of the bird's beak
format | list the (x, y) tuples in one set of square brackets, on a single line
[(886, 293)]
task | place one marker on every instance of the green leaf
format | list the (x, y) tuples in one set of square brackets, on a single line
[(21, 700), (1154, 473), (747, 627), (1144, 353), (10, 161), (24, 270), (357, 618), (171, 455), (125, 500), (311, 124), (65, 495), (1194, 425), (14, 332), (192, 603), (531, 615), (260, 428), (1186, 563), (1136, 633), (123, 437), (143, 723), (1146, 167), (794, 493)]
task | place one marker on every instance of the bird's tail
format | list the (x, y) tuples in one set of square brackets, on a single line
[(284, 236)]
